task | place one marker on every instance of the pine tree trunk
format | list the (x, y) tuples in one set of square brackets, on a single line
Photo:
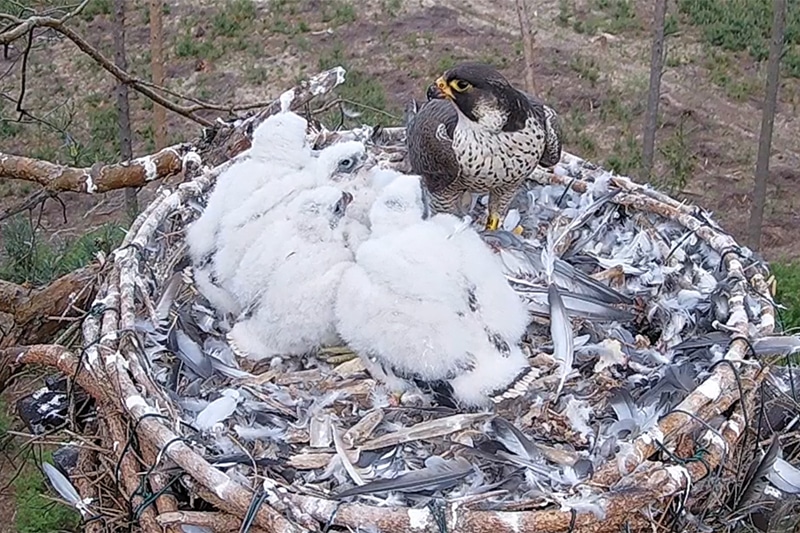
[(767, 123), (123, 106), (157, 71), (654, 91), (527, 44)]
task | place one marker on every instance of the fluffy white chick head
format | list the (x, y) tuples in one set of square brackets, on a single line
[(341, 161), (282, 137), (399, 204), (316, 213)]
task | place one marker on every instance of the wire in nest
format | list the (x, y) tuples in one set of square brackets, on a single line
[(332, 518), (736, 373), (683, 461), (129, 443), (573, 517), (563, 196), (679, 244), (252, 511), (148, 498)]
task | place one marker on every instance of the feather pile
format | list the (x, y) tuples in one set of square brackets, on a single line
[(496, 370)]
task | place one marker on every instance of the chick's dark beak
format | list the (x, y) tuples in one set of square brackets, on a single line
[(341, 205), (441, 84)]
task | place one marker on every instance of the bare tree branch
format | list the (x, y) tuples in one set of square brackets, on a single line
[(33, 310), (24, 26), (98, 178), (29, 202)]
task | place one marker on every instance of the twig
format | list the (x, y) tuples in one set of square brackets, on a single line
[(29, 202)]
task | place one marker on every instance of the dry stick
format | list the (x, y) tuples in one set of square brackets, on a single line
[(98, 341), (235, 498), (98, 178), (216, 522)]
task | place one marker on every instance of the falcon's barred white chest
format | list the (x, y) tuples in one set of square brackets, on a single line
[(489, 158)]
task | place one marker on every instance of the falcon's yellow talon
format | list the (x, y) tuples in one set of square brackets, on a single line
[(773, 285), (493, 223), (518, 230)]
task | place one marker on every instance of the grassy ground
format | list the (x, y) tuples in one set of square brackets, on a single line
[(25, 503)]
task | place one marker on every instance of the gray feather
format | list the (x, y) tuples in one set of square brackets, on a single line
[(561, 332), (438, 474)]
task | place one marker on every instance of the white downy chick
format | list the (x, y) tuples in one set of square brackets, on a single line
[(279, 147), (294, 277), (426, 305), (364, 187), (243, 226)]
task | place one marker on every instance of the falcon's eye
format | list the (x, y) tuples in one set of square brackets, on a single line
[(347, 164), (460, 85)]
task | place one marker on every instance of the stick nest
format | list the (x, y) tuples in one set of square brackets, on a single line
[(682, 469)]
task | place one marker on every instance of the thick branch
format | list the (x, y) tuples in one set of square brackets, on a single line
[(98, 178), (35, 315)]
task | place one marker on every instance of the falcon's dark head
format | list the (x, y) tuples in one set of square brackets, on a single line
[(484, 96)]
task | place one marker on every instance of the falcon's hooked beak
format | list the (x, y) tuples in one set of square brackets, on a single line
[(446, 90), (433, 92)]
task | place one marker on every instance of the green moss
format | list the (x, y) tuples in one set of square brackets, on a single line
[(787, 276), (35, 513)]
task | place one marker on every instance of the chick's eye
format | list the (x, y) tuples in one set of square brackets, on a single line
[(395, 204), (347, 164), (460, 85)]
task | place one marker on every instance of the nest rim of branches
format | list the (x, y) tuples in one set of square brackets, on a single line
[(109, 368)]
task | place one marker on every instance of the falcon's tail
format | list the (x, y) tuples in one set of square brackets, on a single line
[(552, 148), (412, 108)]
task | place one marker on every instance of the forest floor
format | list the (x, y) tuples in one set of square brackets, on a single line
[(592, 66)]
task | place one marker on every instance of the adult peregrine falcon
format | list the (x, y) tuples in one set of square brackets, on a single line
[(477, 133)]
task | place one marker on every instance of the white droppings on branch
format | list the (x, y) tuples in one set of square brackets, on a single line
[(191, 158), (117, 359), (317, 84), (512, 520), (137, 402), (149, 165), (679, 473), (286, 100), (91, 188), (418, 519), (713, 438), (221, 489), (711, 388)]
